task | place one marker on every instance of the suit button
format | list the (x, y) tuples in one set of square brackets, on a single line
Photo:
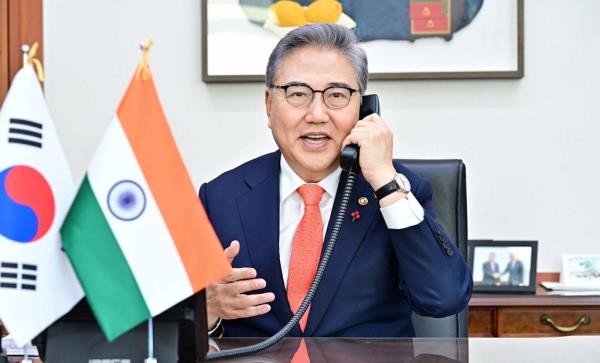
[(445, 244), (449, 251)]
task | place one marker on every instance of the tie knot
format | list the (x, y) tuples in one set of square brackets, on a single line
[(311, 193)]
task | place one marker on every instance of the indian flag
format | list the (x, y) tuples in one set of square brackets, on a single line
[(137, 234)]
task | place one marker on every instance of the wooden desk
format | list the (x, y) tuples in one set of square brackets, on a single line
[(580, 349), (529, 315)]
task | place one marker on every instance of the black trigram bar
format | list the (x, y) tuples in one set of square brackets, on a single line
[(8, 285), (14, 140), (28, 277), (8, 275), (18, 121), (25, 132), (27, 287), (9, 265), (20, 128), (29, 267)]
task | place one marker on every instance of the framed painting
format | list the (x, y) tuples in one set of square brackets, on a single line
[(403, 39), (581, 271)]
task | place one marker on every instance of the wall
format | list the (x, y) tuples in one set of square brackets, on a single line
[(530, 145)]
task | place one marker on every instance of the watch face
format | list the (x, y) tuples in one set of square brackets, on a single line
[(402, 182)]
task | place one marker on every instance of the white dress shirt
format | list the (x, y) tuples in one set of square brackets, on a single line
[(401, 214)]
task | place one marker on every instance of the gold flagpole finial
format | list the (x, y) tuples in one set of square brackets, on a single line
[(29, 58), (25, 50), (143, 68)]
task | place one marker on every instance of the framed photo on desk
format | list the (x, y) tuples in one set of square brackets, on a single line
[(503, 266)]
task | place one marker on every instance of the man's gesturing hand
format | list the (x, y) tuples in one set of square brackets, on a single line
[(227, 299)]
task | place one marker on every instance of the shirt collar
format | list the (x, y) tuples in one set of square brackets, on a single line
[(289, 181)]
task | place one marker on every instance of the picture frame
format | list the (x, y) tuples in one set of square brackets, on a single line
[(234, 49), (503, 266), (581, 271)]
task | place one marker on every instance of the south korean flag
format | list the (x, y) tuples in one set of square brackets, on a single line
[(37, 283)]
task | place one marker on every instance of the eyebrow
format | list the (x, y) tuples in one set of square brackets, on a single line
[(297, 84), (331, 84), (340, 84)]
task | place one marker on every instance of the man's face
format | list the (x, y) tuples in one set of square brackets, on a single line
[(310, 137), (492, 257)]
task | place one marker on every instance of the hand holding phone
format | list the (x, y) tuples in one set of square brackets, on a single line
[(350, 157)]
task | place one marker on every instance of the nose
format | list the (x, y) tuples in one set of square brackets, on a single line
[(317, 110)]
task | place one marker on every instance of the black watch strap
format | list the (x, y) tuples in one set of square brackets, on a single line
[(386, 190)]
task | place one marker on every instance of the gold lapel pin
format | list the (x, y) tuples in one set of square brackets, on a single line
[(363, 201)]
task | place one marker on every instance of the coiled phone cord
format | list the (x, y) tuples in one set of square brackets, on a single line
[(335, 231)]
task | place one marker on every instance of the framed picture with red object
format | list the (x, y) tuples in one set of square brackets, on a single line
[(403, 39)]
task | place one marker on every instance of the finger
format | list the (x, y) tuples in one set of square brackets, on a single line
[(369, 125), (373, 118), (355, 137), (237, 274), (369, 121), (232, 250), (252, 311), (370, 115), (246, 301), (244, 286)]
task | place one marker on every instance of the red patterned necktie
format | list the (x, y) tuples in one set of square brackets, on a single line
[(306, 248)]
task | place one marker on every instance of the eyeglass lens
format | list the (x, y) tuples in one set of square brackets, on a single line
[(334, 97)]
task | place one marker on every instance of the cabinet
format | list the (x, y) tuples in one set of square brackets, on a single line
[(536, 315)]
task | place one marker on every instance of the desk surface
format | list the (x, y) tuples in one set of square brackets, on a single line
[(539, 299), (581, 349)]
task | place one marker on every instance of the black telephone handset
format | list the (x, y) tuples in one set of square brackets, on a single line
[(350, 154), (349, 162)]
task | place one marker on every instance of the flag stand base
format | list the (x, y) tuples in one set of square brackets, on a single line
[(76, 337)]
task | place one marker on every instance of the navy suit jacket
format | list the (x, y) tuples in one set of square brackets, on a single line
[(375, 277), (488, 272), (515, 273)]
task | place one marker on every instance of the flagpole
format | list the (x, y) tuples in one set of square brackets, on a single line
[(150, 358), (26, 353), (25, 49)]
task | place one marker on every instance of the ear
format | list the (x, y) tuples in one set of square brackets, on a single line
[(268, 105)]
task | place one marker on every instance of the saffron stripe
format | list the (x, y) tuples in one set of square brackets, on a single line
[(148, 132)]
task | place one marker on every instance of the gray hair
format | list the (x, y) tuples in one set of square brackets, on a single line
[(330, 36)]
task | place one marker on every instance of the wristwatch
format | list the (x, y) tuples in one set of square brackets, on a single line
[(400, 183)]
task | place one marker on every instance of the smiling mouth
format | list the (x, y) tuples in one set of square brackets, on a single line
[(315, 139)]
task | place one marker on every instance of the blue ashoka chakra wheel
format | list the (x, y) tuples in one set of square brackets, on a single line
[(126, 200)]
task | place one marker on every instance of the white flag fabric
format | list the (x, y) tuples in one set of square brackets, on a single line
[(37, 282)]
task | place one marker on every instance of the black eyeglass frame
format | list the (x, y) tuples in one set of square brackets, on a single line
[(294, 84)]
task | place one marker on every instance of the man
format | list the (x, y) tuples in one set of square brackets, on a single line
[(391, 258), (514, 269), (491, 270)]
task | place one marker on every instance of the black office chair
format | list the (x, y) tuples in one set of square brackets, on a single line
[(447, 178)]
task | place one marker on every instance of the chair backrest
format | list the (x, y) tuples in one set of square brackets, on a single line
[(447, 178)]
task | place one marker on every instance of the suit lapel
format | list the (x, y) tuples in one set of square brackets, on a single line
[(350, 237), (259, 214)]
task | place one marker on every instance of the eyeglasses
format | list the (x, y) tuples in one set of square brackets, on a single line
[(300, 95)]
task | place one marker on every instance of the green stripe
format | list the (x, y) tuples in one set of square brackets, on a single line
[(101, 267)]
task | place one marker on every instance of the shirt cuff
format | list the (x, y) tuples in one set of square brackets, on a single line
[(403, 213)]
